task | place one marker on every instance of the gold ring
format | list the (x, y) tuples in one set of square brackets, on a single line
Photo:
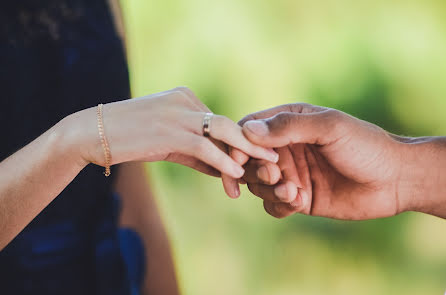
[(207, 124)]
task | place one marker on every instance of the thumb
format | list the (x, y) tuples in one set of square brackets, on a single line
[(288, 128)]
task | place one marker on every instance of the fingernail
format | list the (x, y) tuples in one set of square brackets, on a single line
[(263, 174), (257, 127), (297, 202), (272, 155), (239, 171), (281, 192), (236, 192)]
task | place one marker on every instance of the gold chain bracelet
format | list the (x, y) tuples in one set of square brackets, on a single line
[(104, 142)]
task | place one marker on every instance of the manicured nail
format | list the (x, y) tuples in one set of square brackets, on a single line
[(263, 174), (239, 171), (257, 127), (281, 192), (236, 192), (273, 157)]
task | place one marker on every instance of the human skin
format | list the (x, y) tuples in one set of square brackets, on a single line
[(337, 166), (165, 126)]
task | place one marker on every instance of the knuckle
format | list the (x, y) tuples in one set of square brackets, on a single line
[(280, 122), (183, 95), (179, 97), (335, 120), (332, 114), (300, 107), (185, 90), (305, 108), (304, 105)]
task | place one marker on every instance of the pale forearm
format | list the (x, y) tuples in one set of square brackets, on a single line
[(162, 126), (424, 175), (32, 177)]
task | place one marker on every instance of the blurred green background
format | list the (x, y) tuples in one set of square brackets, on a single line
[(383, 61)]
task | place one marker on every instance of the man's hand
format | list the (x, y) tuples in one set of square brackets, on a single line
[(331, 164)]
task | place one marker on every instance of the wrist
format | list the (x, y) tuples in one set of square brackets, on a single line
[(79, 136), (422, 181)]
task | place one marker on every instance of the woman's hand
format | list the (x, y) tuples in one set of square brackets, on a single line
[(166, 126)]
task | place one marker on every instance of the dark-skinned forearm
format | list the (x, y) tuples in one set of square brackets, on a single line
[(423, 173)]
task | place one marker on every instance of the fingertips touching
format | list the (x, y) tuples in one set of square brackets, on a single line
[(227, 131), (269, 173), (260, 171), (282, 193)]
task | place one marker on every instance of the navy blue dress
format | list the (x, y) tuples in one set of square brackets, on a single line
[(58, 57)]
